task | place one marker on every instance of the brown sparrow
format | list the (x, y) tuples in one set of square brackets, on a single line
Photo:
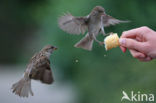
[(37, 69), (94, 23)]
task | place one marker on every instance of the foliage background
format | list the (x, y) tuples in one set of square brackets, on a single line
[(98, 76)]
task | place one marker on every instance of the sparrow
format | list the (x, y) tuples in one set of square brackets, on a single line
[(94, 23), (37, 69)]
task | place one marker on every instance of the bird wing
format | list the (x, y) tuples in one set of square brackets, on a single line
[(109, 20), (73, 25), (42, 71)]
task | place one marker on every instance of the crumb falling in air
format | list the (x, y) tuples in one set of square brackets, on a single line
[(76, 60)]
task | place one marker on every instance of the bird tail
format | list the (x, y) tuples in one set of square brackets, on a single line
[(85, 43), (22, 87)]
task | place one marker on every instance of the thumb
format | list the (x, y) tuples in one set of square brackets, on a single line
[(131, 44)]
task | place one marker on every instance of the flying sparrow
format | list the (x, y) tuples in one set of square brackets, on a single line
[(94, 23), (37, 69)]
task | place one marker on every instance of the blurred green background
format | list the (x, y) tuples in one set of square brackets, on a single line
[(99, 76)]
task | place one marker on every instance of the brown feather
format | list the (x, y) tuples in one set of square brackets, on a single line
[(73, 25), (109, 20), (42, 71)]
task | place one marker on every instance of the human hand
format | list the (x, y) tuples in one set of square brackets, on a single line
[(141, 43)]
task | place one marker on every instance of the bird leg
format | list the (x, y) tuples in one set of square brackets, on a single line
[(102, 27), (103, 32), (101, 43)]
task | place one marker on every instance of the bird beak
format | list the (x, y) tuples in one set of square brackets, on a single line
[(55, 48)]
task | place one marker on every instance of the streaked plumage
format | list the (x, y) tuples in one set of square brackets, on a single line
[(37, 69)]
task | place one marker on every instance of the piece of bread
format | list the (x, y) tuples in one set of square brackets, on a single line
[(111, 41)]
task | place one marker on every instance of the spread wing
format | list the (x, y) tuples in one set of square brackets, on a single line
[(73, 25), (109, 20), (42, 71)]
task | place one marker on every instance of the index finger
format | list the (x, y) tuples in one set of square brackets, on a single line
[(133, 33)]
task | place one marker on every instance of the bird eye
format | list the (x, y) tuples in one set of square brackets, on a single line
[(101, 11), (52, 47)]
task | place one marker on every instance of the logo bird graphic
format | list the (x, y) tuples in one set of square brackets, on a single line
[(125, 96)]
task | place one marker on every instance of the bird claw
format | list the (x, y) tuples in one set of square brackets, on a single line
[(108, 34), (101, 43)]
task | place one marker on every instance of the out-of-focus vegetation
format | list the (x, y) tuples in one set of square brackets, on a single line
[(100, 76)]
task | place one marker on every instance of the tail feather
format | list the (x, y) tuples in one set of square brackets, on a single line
[(85, 43), (22, 88)]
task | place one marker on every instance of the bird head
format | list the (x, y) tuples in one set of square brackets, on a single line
[(98, 10), (49, 49)]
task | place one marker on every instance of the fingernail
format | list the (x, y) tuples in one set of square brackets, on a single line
[(148, 58), (142, 56), (122, 41)]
